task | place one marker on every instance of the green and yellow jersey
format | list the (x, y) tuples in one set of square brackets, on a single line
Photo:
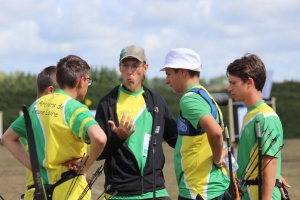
[(133, 104), (59, 123), (269, 122), (194, 168)]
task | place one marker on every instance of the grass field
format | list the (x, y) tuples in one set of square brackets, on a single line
[(13, 178)]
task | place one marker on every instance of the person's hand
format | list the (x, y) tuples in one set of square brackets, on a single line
[(224, 152), (222, 162), (125, 129), (283, 181), (74, 165)]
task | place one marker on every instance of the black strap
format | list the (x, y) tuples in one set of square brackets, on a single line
[(213, 107), (251, 182), (40, 192), (64, 177), (278, 184), (30, 187), (255, 182)]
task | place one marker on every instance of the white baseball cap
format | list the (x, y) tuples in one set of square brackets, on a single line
[(182, 58)]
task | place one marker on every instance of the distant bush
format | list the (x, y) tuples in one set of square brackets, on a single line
[(19, 88)]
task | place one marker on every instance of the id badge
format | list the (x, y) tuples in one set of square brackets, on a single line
[(147, 138)]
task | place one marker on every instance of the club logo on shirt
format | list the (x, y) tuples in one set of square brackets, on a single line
[(182, 126), (156, 109), (246, 131), (126, 112)]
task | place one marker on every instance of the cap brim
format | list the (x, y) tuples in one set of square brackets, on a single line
[(170, 66), (178, 67), (196, 70), (132, 56)]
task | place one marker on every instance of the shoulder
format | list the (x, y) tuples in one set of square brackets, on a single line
[(152, 93), (72, 105), (264, 112), (267, 110), (192, 98)]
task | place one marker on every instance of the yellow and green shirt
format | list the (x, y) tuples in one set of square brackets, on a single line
[(133, 104), (269, 122), (59, 124), (194, 168)]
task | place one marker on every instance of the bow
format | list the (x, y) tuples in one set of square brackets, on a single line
[(91, 182)]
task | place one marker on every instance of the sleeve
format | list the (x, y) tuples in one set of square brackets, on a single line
[(170, 131), (80, 119), (18, 126), (274, 133), (193, 107), (24, 143)]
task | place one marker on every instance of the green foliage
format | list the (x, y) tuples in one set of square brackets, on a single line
[(15, 90), (104, 80), (220, 80), (288, 106), (2, 75), (20, 88)]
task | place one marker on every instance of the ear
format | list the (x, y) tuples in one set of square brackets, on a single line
[(251, 81), (183, 72), (80, 82), (50, 89), (146, 67)]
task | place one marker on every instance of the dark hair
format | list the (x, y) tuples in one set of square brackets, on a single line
[(144, 76), (46, 78), (191, 72), (69, 69), (249, 66)]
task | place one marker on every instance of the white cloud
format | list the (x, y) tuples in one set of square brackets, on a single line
[(21, 37), (152, 42), (14, 10), (40, 33)]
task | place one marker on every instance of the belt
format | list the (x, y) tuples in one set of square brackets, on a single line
[(255, 182), (64, 177)]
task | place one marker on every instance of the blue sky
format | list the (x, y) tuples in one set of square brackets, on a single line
[(35, 34)]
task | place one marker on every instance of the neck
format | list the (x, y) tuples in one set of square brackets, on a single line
[(71, 91), (132, 89), (252, 98), (189, 81)]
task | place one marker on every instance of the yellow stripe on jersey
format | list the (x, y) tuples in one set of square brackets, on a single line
[(196, 157), (75, 115), (84, 122)]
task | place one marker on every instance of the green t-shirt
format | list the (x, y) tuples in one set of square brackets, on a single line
[(269, 122), (195, 172)]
